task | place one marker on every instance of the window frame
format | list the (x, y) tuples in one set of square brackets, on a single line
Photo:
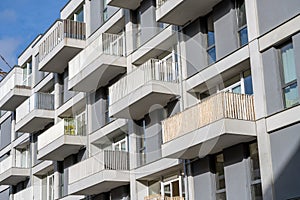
[(281, 72)]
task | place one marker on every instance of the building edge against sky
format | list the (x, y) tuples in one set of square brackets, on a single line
[(156, 99)]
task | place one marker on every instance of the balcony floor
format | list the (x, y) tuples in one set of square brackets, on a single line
[(138, 103), (35, 121), (100, 182), (98, 73), (14, 98), (14, 175), (210, 139), (61, 148)]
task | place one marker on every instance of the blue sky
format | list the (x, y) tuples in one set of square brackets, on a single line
[(21, 21)]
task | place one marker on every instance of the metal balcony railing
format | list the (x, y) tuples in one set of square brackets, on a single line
[(42, 101), (61, 29), (105, 160), (221, 105), (110, 44), (152, 70)]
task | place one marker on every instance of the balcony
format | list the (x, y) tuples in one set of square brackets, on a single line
[(100, 173), (218, 122), (155, 82), (161, 43), (98, 63), (13, 90), (65, 138), (170, 11), (12, 174), (35, 113), (129, 4), (63, 40), (24, 194), (160, 197)]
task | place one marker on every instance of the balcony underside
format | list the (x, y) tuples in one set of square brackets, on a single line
[(61, 148), (14, 175), (159, 44), (14, 98), (43, 168), (35, 121), (157, 169), (100, 182), (129, 4), (98, 73), (171, 11), (69, 108), (210, 139), (57, 60), (139, 102), (108, 132)]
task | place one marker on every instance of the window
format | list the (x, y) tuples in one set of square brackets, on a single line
[(79, 15), (242, 22), (288, 76), (256, 191), (120, 144), (220, 177), (105, 11), (211, 49), (241, 84), (172, 187)]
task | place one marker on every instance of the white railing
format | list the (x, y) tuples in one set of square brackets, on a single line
[(105, 160), (60, 30), (36, 101), (6, 164), (159, 3), (218, 106), (13, 79), (151, 70), (111, 44), (24, 194), (64, 127)]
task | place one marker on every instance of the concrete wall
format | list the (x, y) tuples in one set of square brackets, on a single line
[(98, 105), (237, 173), (148, 21), (5, 128), (4, 195), (272, 13), (274, 101), (195, 45), (285, 150), (225, 24), (95, 15), (203, 178), (67, 93)]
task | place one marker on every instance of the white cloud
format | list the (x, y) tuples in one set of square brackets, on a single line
[(8, 16), (8, 49)]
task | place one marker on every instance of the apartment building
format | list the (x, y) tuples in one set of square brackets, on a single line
[(156, 100)]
